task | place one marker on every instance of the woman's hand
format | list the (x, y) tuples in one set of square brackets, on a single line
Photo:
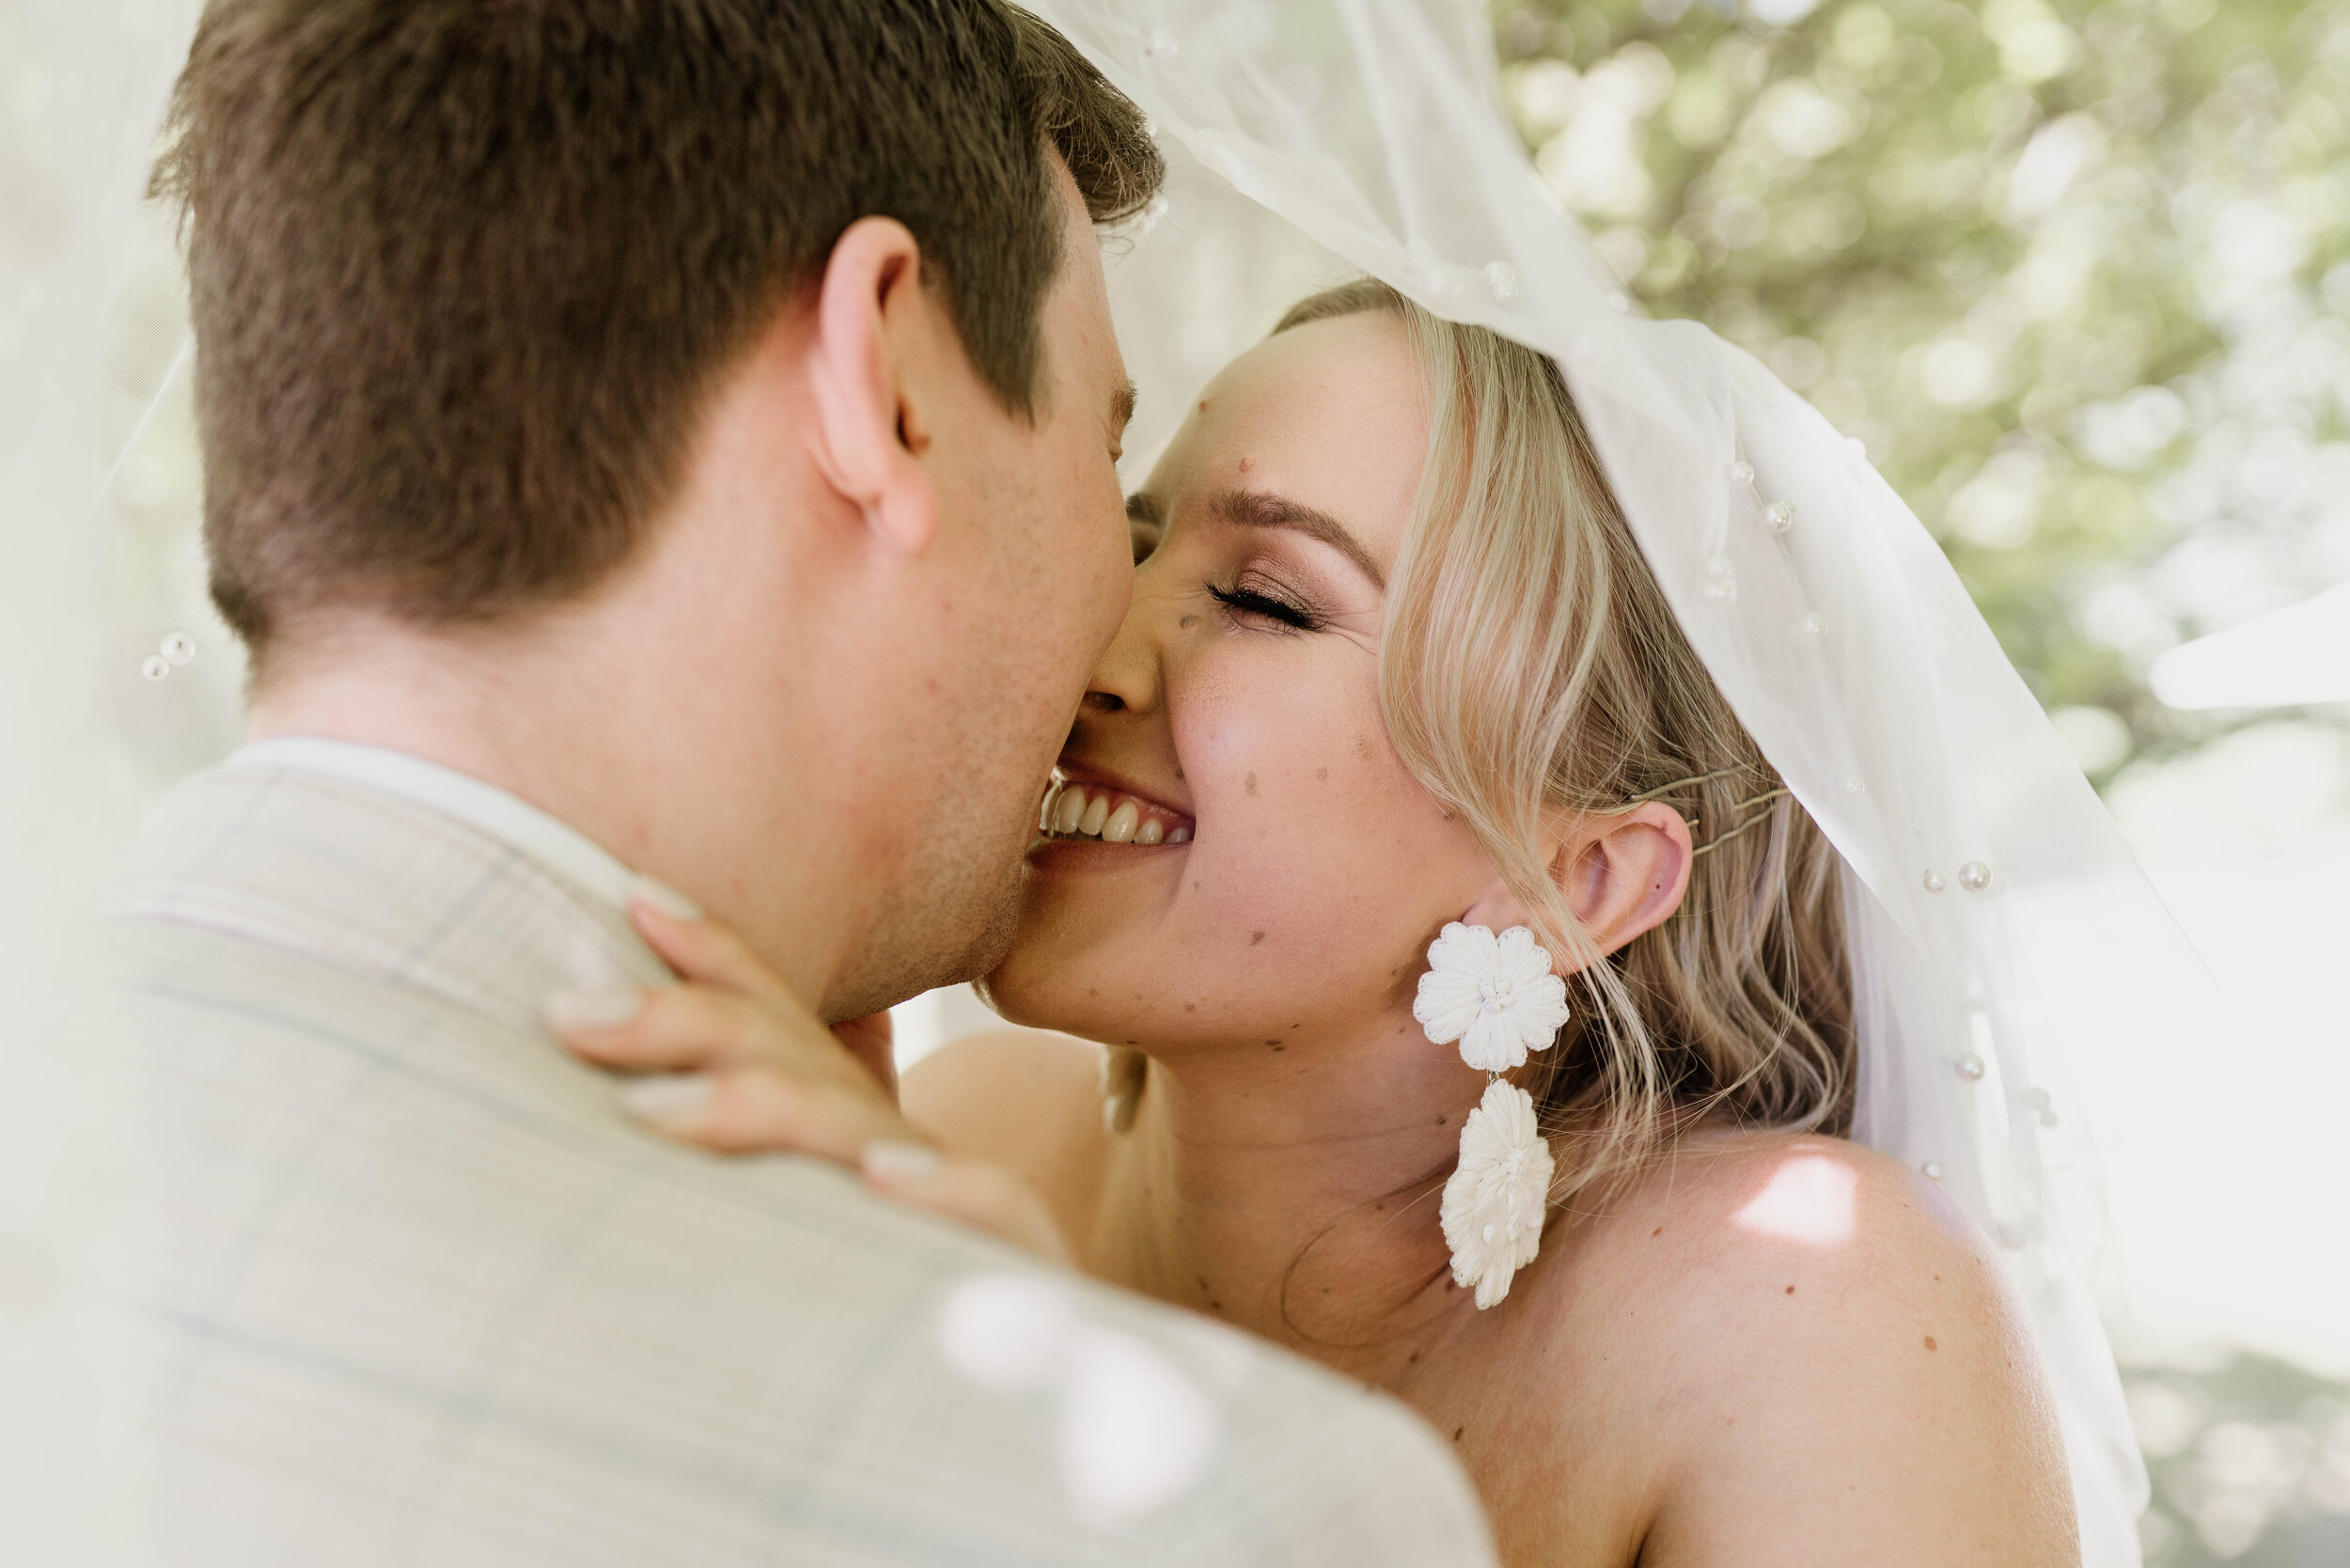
[(731, 1060)]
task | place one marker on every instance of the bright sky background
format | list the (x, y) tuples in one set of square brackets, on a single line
[(2229, 1173)]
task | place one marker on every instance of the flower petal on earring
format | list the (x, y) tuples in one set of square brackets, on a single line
[(1515, 955), (1472, 950), (1446, 1004), (1497, 1199), (1541, 1010), (1492, 1043), (1496, 995)]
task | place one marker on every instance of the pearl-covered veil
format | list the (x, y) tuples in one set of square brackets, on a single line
[(1990, 901)]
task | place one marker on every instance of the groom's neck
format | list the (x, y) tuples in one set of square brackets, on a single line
[(589, 718)]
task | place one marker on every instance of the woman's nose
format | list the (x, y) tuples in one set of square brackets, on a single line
[(1132, 673)]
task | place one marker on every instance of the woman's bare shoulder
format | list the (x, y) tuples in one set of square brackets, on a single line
[(1814, 1334), (1732, 1208), (1741, 1243)]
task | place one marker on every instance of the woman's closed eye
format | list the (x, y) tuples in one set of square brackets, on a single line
[(1262, 602)]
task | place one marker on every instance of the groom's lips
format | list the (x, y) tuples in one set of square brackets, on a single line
[(1090, 805)]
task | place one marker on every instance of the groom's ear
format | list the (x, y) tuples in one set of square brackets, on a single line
[(873, 326)]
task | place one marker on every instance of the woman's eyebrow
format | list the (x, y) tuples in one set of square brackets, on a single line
[(1260, 509)]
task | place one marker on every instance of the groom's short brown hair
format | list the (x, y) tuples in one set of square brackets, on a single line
[(463, 270)]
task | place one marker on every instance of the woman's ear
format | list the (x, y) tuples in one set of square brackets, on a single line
[(1623, 874), (873, 329)]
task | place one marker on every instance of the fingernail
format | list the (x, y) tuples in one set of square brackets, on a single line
[(594, 1006), (900, 1162), (667, 900), (666, 1096)]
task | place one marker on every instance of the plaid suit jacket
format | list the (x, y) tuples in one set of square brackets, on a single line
[(426, 1297)]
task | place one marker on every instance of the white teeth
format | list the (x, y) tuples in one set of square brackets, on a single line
[(1070, 812)]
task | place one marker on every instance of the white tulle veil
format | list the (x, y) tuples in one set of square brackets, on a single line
[(1990, 901)]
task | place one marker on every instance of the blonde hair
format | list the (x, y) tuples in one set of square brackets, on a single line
[(1531, 665)]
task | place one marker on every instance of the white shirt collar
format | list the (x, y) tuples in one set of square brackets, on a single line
[(507, 818)]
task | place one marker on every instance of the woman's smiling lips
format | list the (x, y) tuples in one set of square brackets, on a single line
[(1085, 807)]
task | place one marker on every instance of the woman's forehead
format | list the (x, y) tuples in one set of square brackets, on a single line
[(1332, 414)]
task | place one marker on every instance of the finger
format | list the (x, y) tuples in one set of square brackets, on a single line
[(970, 1192), (701, 947), (755, 1108), (671, 1028)]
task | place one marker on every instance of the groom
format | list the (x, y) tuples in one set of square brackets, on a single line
[(649, 439)]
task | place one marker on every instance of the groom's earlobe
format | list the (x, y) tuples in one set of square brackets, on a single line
[(870, 430)]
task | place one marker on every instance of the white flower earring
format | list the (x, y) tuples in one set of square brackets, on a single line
[(1497, 997)]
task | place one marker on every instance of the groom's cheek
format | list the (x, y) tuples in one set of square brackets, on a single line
[(1088, 577)]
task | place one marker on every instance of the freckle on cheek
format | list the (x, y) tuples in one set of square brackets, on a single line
[(1250, 783), (1187, 623)]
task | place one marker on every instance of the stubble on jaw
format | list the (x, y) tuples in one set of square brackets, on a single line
[(941, 931), (953, 909)]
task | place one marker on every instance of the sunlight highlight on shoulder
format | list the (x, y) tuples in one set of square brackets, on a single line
[(1809, 1199)]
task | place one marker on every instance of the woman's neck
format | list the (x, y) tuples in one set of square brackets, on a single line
[(1291, 1188)]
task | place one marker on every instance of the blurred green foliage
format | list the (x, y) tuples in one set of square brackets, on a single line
[(2074, 272), (2251, 1460)]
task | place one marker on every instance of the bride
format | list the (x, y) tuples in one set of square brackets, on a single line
[(1479, 1010)]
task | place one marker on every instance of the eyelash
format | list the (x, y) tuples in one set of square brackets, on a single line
[(1241, 601)]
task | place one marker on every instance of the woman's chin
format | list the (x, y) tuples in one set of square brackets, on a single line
[(1085, 905), (1030, 986), (1062, 970)]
